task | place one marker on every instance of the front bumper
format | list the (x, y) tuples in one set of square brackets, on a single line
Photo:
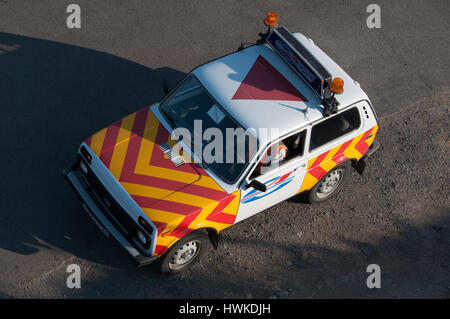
[(97, 212)]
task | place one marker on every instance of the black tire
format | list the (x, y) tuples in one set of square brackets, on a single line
[(167, 264), (319, 193)]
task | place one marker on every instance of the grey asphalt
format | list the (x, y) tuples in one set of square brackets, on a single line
[(58, 86)]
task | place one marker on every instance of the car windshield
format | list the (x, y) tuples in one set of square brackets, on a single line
[(190, 107)]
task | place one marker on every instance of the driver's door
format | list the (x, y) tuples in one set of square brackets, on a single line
[(281, 183)]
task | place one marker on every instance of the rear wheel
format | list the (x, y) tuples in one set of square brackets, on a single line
[(330, 184), (182, 255)]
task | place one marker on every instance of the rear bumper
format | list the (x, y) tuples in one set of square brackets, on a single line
[(97, 214), (361, 164), (373, 148)]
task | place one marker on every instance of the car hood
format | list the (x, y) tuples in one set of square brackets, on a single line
[(176, 198)]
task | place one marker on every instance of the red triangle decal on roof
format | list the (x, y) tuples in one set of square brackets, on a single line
[(264, 82)]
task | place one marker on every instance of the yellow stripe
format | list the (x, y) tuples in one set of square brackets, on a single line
[(351, 151), (331, 153), (199, 221), (311, 161), (233, 206), (97, 141), (210, 224), (120, 150), (308, 182), (374, 132), (205, 204), (147, 143), (165, 194), (327, 163), (162, 216), (145, 153), (167, 241)]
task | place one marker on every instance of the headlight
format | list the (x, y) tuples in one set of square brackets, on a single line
[(142, 238), (83, 167)]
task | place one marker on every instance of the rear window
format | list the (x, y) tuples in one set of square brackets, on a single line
[(334, 127)]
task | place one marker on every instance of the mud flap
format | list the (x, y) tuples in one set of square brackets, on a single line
[(214, 237), (360, 165)]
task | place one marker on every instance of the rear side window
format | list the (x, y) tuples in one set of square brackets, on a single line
[(334, 128)]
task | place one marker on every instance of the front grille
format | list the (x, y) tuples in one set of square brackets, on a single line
[(127, 225)]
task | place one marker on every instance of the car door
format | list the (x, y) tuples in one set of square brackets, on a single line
[(282, 182)]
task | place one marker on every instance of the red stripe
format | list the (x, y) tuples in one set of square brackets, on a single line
[(168, 206), (315, 170), (88, 141), (264, 82), (174, 186), (158, 159), (159, 249), (182, 228), (318, 172), (282, 178), (219, 216), (135, 143), (160, 226), (190, 212), (223, 218), (339, 157), (131, 157), (110, 140), (220, 206), (362, 146), (319, 159)]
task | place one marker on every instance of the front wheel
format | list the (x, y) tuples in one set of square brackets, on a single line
[(182, 255), (330, 184)]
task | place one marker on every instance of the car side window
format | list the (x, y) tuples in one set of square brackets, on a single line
[(292, 147), (334, 127)]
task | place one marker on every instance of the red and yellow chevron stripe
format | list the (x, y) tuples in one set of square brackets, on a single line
[(178, 200), (352, 149)]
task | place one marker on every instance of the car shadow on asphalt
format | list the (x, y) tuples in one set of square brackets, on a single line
[(53, 96), (413, 265)]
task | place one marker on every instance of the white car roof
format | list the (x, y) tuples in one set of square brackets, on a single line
[(260, 90)]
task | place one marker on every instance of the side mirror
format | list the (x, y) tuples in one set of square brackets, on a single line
[(257, 185)]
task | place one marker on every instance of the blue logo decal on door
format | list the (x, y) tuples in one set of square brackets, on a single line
[(272, 186)]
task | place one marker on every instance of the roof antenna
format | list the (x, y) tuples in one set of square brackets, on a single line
[(241, 47)]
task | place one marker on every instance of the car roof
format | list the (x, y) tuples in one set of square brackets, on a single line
[(260, 90)]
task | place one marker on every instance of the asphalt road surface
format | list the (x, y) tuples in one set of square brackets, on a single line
[(60, 85)]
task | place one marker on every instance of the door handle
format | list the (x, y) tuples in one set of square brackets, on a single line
[(300, 166)]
